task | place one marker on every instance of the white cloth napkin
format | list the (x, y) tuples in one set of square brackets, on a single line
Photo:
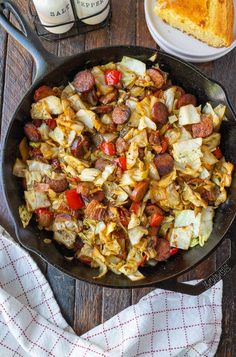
[(162, 324)]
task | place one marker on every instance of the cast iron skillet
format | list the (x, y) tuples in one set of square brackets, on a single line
[(55, 71)]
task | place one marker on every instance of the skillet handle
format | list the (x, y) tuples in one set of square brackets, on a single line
[(27, 38), (205, 284)]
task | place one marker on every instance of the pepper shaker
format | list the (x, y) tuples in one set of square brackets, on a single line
[(86, 8), (51, 12)]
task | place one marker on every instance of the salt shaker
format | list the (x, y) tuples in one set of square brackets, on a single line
[(51, 12), (86, 8)]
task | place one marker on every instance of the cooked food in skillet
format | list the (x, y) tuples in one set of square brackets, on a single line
[(123, 167)]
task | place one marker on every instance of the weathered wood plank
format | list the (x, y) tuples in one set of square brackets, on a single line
[(88, 307), (143, 37), (114, 301), (17, 81), (123, 23), (63, 288)]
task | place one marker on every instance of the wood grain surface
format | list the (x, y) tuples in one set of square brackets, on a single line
[(85, 306)]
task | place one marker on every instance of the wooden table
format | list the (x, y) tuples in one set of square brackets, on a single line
[(85, 306)]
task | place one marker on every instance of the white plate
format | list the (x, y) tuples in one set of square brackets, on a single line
[(184, 57), (179, 41)]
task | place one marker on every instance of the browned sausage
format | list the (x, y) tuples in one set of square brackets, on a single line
[(121, 114), (164, 163), (109, 98), (186, 99), (57, 185), (37, 122), (56, 165), (157, 77), (104, 109), (95, 210), (121, 145), (108, 128), (80, 146), (85, 259), (153, 231), (100, 164), (160, 113), (153, 209), (179, 92), (141, 153), (163, 249), (32, 132), (154, 138), (204, 128), (84, 81), (120, 236), (35, 153), (84, 188), (45, 218), (139, 191), (98, 196)]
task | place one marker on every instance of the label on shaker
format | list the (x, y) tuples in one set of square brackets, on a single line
[(86, 8), (55, 13)]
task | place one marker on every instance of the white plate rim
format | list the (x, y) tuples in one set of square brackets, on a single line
[(182, 56)]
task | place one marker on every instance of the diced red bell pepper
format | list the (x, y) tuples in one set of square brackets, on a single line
[(121, 162), (156, 220), (218, 153), (164, 144), (86, 260), (108, 148), (51, 123), (173, 251), (43, 92), (74, 200), (43, 210), (112, 77), (135, 207)]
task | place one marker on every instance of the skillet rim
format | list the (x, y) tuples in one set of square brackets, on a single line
[(61, 63)]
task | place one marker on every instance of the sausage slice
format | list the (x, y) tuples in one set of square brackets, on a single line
[(108, 98), (57, 186), (100, 164), (153, 209), (98, 196), (84, 81), (80, 146), (103, 109), (84, 188), (95, 210), (186, 99), (157, 77), (160, 113), (164, 163), (139, 191), (32, 132), (121, 114), (204, 128), (56, 165), (163, 249), (121, 145)]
